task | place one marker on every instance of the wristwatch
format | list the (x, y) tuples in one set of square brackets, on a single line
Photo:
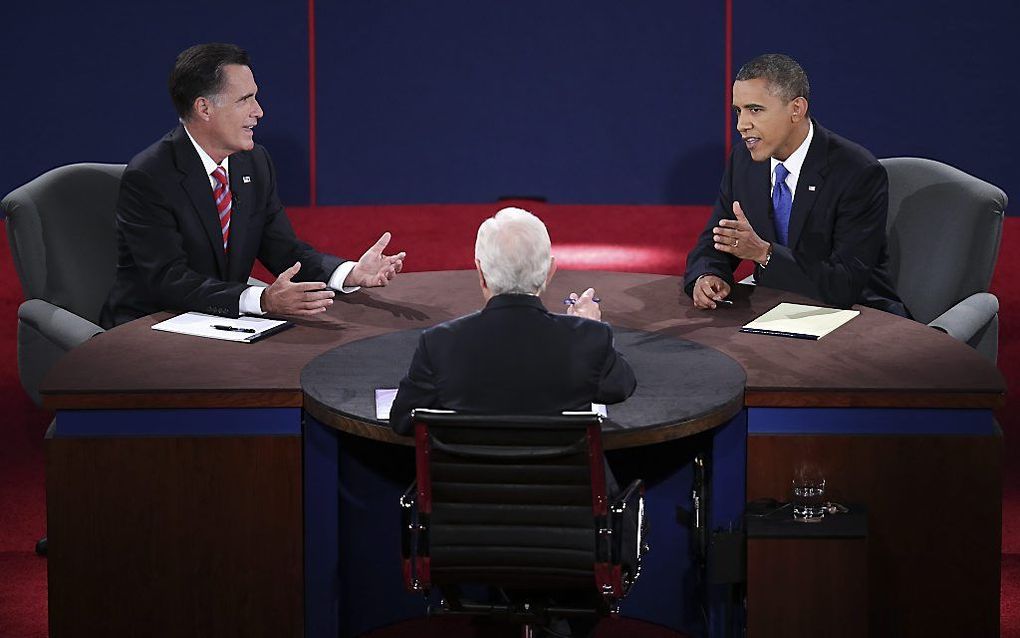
[(768, 257)]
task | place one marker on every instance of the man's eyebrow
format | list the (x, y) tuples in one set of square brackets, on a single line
[(245, 97), (752, 105)]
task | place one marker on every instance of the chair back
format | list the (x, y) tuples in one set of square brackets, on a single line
[(944, 230), (520, 503), (62, 231)]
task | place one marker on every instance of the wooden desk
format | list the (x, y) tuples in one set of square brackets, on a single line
[(684, 388), (211, 432)]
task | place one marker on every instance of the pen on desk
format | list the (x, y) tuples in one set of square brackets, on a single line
[(570, 302), (233, 329), (724, 301)]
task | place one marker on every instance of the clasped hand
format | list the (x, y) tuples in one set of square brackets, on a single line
[(584, 305)]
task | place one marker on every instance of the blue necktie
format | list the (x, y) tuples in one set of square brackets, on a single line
[(782, 202)]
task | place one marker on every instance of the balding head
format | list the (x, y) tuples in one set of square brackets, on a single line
[(513, 253)]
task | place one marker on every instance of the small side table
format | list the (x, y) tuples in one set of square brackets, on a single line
[(807, 579)]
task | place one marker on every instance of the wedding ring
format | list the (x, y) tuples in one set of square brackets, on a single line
[(736, 242)]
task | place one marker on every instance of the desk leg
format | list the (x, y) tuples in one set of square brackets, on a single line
[(352, 533), (671, 590)]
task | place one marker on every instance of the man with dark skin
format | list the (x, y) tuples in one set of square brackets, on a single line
[(823, 233)]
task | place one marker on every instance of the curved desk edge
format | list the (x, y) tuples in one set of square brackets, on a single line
[(612, 439)]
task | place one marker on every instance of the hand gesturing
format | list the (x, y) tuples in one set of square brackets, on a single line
[(374, 268)]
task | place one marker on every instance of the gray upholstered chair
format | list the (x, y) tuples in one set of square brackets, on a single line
[(944, 231), (61, 227)]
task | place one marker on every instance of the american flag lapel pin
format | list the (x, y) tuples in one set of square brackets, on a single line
[(247, 180)]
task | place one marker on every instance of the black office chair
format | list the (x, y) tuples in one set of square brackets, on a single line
[(518, 505)]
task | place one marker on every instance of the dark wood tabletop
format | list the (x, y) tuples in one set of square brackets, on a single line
[(684, 388), (876, 360)]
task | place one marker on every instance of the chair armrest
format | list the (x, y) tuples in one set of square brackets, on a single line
[(629, 532), (65, 329), (627, 496), (966, 318), (411, 529)]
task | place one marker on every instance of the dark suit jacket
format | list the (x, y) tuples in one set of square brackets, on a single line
[(170, 250), (837, 237), (513, 357)]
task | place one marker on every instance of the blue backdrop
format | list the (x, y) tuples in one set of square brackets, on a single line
[(595, 101)]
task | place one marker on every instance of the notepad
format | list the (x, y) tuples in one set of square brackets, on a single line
[(384, 401), (241, 330), (799, 321)]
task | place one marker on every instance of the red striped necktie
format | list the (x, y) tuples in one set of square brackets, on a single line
[(223, 200)]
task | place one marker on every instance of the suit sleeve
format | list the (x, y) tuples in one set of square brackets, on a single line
[(616, 379), (704, 258), (857, 236), (417, 390), (280, 248), (157, 248)]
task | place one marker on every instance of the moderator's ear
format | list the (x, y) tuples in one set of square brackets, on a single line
[(481, 275), (552, 270)]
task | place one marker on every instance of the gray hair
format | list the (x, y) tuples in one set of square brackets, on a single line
[(785, 77), (514, 252)]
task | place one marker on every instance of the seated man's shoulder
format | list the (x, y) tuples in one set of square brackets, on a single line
[(452, 326), (849, 154), (154, 157), (583, 326)]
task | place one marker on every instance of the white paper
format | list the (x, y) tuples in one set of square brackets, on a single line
[(597, 408), (800, 320), (383, 402), (197, 324)]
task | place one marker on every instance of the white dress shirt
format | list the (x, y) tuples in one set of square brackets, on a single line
[(793, 163), (251, 299)]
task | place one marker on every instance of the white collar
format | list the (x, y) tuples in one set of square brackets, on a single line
[(207, 161), (795, 161)]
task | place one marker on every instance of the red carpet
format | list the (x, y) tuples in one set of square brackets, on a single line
[(637, 238)]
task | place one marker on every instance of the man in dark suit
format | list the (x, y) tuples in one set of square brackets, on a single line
[(806, 205), (514, 356), (199, 206)]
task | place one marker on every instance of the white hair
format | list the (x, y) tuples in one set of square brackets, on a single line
[(514, 252)]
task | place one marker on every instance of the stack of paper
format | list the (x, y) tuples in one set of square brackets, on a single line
[(242, 329), (800, 321)]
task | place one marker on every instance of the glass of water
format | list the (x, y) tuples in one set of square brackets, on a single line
[(808, 494)]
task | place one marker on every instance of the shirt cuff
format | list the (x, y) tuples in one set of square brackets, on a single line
[(251, 301), (336, 280)]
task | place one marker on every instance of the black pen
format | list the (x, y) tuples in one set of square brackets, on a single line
[(233, 329)]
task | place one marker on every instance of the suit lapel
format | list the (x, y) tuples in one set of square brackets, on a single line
[(196, 184), (243, 194), (757, 205), (809, 184)]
